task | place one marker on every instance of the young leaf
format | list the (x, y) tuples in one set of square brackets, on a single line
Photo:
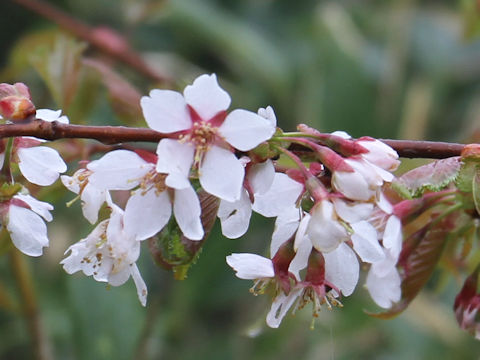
[(476, 189), (434, 176), (465, 176)]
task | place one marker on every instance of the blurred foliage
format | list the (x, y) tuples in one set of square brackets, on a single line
[(396, 69)]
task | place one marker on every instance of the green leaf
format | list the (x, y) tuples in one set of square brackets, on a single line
[(476, 189), (467, 172), (434, 177)]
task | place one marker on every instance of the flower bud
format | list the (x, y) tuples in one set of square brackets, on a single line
[(15, 102)]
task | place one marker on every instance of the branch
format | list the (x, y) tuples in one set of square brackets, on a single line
[(120, 134), (104, 39)]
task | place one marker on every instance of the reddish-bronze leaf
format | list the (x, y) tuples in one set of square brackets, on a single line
[(433, 176)]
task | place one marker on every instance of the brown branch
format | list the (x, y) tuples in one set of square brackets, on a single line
[(102, 38), (119, 134), (425, 149), (105, 134)]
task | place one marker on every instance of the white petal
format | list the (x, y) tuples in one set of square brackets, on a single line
[(392, 236), (206, 96), (282, 195), (92, 200), (120, 277), (352, 212), (365, 242), (70, 183), (341, 134), (118, 170), (352, 184), (342, 268), (300, 260), (251, 266), (146, 213), (324, 231), (382, 268), (221, 174), (187, 210), (384, 290), (2, 159), (27, 230), (40, 165), (380, 154), (268, 114), (285, 226), (280, 306), (301, 232), (166, 111), (383, 203), (260, 176), (51, 115), (142, 291), (175, 158), (235, 216), (40, 207), (244, 129)]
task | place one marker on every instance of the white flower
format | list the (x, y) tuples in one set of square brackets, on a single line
[(92, 198), (379, 154), (206, 135), (281, 196), (108, 253), (40, 165), (22, 216), (385, 290), (235, 216), (341, 273), (251, 266), (149, 208), (324, 229), (52, 115)]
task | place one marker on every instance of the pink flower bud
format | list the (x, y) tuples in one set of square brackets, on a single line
[(15, 102)]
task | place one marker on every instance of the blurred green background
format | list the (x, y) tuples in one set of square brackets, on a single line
[(389, 69)]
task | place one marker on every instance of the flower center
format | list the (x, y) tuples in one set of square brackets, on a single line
[(201, 135), (156, 180)]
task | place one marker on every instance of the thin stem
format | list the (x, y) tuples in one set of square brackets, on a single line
[(41, 348), (296, 160)]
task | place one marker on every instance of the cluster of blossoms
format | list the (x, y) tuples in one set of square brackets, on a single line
[(326, 216), (330, 211)]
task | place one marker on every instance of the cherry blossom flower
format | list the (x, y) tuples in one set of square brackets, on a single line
[(207, 135), (109, 254), (235, 216), (92, 198), (22, 216), (385, 290), (40, 165), (328, 276), (125, 170)]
